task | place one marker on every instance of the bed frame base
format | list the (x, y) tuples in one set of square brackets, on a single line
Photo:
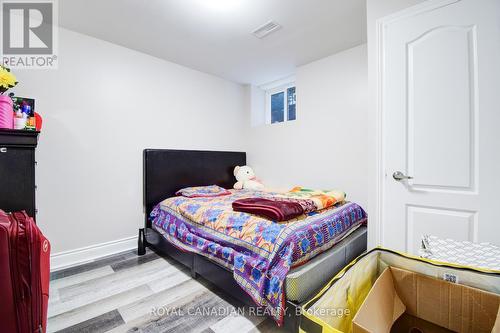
[(141, 246)]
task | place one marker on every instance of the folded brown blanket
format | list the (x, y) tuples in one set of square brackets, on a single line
[(280, 210)]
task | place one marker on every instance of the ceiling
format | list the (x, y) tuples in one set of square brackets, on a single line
[(214, 36)]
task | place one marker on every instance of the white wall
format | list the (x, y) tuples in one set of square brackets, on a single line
[(101, 108), (326, 147), (257, 103)]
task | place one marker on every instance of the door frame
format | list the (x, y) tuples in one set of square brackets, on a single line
[(376, 220)]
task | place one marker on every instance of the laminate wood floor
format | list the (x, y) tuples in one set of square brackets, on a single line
[(150, 293)]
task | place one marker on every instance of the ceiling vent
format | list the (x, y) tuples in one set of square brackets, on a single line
[(266, 29)]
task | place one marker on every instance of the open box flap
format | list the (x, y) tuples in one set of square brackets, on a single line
[(381, 308)]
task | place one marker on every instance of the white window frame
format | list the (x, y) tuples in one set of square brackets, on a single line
[(277, 87)]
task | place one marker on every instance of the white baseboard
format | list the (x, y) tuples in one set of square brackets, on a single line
[(87, 254)]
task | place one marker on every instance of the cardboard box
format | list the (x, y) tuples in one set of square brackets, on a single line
[(406, 301), (409, 323)]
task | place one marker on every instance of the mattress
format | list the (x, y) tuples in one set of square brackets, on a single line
[(215, 219), (260, 252), (304, 281)]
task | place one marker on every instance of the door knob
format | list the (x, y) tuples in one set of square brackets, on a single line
[(399, 176)]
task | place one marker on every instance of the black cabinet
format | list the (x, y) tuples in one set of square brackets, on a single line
[(17, 170)]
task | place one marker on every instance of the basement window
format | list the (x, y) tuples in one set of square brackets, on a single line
[(281, 103)]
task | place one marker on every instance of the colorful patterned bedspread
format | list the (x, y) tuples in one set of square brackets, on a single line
[(259, 251)]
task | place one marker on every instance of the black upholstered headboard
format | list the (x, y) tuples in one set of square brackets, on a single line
[(166, 171)]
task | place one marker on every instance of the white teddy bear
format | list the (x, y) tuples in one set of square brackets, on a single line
[(246, 178)]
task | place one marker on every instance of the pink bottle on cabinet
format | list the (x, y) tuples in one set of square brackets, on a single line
[(6, 112)]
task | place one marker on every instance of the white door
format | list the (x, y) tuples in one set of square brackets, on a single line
[(440, 103)]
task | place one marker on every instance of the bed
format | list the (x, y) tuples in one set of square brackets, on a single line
[(295, 261)]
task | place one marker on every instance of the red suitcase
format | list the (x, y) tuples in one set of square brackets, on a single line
[(24, 274)]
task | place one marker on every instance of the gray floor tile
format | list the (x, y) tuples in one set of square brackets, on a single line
[(117, 294), (134, 261), (100, 324), (86, 312), (93, 265)]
